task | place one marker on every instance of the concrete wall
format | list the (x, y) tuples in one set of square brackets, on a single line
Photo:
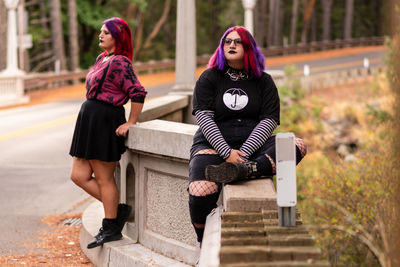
[(153, 178)]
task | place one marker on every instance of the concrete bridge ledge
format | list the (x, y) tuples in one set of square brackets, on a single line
[(161, 137), (121, 253), (246, 196)]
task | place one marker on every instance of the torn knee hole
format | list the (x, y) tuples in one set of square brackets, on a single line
[(199, 225), (202, 188), (208, 151)]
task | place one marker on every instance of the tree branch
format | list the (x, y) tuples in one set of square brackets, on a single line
[(159, 24)]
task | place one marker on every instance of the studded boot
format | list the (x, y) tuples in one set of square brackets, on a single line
[(123, 213), (107, 233), (228, 172)]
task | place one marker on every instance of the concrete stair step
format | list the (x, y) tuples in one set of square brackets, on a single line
[(239, 216), (311, 263), (275, 222), (230, 224), (279, 230), (261, 223), (242, 231), (273, 214), (275, 240), (234, 254)]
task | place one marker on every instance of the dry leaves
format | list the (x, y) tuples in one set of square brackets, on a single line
[(61, 246)]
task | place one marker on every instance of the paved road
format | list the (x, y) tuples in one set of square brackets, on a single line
[(375, 58), (35, 165)]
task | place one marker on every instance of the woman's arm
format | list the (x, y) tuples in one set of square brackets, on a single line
[(205, 119), (136, 108), (258, 136)]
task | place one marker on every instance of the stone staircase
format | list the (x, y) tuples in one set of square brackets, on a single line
[(245, 232), (255, 239)]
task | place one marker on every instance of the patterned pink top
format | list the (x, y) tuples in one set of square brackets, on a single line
[(114, 82)]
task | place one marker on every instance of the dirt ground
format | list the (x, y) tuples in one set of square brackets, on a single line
[(61, 245)]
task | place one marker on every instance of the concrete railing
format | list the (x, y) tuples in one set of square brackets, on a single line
[(336, 78), (34, 81), (12, 90)]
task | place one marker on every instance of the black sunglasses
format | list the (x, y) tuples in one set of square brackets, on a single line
[(228, 41)]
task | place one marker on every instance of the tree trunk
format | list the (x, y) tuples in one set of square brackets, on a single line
[(3, 34), (313, 27), (73, 36), (260, 19), (271, 21), (138, 34), (308, 6), (348, 22), (277, 23), (57, 33), (295, 9), (326, 19)]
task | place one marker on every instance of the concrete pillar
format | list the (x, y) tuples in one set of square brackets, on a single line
[(185, 65), (12, 40), (11, 79), (248, 6)]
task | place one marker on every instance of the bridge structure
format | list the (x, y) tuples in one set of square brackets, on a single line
[(152, 177)]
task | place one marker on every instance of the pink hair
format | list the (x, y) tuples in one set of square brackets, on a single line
[(254, 61), (122, 35)]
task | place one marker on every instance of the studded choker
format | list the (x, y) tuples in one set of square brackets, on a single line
[(236, 75)]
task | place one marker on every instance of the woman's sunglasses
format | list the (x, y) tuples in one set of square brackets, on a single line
[(228, 41)]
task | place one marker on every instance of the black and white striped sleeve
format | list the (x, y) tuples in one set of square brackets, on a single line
[(258, 136), (205, 119)]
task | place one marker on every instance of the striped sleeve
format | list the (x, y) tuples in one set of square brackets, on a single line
[(258, 136), (205, 119)]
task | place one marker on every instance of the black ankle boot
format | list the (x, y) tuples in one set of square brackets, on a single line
[(123, 213), (228, 172), (107, 233)]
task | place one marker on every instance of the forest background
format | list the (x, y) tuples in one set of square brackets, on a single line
[(276, 23)]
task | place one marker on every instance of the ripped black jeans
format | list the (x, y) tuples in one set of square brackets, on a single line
[(203, 195)]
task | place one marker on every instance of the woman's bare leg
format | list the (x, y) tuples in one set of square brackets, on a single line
[(81, 175), (104, 175)]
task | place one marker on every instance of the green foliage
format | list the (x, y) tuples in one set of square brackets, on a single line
[(379, 115)]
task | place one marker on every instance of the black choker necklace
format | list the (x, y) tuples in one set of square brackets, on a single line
[(109, 54), (236, 75)]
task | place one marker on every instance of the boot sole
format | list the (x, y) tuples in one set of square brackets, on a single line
[(105, 240), (223, 173)]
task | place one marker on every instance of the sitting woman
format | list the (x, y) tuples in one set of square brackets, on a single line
[(236, 105)]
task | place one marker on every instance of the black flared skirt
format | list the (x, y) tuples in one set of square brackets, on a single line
[(94, 135)]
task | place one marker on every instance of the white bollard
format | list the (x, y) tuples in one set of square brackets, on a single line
[(286, 186)]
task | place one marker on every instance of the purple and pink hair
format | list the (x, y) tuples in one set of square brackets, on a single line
[(254, 61), (122, 35)]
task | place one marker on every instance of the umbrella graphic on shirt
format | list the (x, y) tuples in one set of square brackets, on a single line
[(235, 99)]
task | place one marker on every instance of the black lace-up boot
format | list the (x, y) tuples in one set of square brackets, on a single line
[(123, 213), (107, 233), (228, 172)]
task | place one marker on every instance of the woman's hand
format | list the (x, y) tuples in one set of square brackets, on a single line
[(122, 130), (235, 156)]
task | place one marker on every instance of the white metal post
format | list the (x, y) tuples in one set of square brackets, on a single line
[(286, 178)]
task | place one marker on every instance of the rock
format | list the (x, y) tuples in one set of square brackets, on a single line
[(343, 150), (351, 158)]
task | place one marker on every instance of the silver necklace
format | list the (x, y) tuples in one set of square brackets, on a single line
[(237, 75)]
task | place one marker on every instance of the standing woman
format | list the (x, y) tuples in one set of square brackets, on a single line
[(236, 105), (101, 127)]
